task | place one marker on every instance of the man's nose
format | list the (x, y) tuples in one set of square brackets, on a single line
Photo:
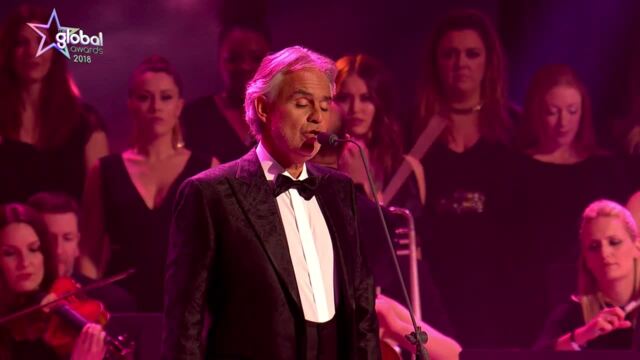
[(317, 115)]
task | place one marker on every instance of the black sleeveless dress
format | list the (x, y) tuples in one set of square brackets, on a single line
[(64, 166), (22, 171), (139, 236), (206, 131), (464, 227)]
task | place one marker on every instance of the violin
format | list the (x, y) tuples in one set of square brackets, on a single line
[(388, 351), (60, 318)]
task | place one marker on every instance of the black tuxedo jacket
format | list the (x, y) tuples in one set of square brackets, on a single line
[(228, 256)]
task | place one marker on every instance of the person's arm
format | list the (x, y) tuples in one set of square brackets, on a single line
[(191, 246), (368, 342), (96, 148), (350, 163), (606, 321), (93, 242), (562, 319), (395, 323)]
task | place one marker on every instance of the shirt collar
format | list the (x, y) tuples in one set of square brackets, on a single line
[(271, 168)]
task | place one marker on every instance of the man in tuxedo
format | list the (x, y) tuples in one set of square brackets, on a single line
[(267, 245)]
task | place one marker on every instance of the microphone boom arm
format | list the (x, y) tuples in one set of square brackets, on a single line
[(418, 337)]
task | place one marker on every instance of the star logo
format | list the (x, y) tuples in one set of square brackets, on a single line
[(43, 30)]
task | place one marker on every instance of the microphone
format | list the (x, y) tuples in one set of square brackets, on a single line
[(418, 336), (328, 139)]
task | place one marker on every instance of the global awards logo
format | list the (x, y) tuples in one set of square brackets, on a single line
[(73, 43)]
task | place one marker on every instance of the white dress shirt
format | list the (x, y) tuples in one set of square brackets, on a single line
[(309, 243)]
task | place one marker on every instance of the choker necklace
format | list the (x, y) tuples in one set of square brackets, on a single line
[(465, 111)]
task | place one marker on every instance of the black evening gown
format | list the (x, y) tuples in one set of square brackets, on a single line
[(464, 231), (549, 202), (22, 171), (64, 166), (139, 236)]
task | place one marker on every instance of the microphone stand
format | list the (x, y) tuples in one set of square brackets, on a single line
[(418, 336)]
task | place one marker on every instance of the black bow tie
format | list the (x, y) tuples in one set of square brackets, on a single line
[(306, 188)]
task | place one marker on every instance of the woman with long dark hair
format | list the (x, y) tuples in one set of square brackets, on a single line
[(364, 99), (464, 108), (40, 105), (28, 268)]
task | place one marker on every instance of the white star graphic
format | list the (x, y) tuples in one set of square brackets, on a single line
[(54, 44)]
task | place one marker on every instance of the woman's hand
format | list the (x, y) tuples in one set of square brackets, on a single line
[(388, 321), (90, 344), (606, 321), (350, 163)]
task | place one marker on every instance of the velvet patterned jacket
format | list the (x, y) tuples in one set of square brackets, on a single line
[(228, 257)]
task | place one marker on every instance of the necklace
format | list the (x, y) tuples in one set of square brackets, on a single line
[(466, 111)]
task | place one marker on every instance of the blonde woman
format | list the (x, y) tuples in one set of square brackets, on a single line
[(603, 314)]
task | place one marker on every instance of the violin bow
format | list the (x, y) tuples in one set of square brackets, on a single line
[(632, 305), (80, 290)]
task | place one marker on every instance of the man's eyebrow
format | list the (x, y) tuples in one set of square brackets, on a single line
[(301, 92)]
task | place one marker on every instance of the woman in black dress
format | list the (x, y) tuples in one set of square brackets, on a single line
[(463, 105), (559, 172), (214, 125), (130, 195), (364, 100), (40, 105), (601, 315)]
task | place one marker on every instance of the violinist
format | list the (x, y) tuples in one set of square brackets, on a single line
[(604, 314), (60, 213), (28, 268)]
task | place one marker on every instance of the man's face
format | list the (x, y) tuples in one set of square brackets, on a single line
[(292, 119), (64, 228)]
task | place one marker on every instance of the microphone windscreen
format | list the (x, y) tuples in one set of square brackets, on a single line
[(327, 139)]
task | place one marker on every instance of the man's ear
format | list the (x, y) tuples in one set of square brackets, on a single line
[(262, 108)]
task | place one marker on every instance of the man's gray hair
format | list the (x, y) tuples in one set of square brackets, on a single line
[(268, 78)]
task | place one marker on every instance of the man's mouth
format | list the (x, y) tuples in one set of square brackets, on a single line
[(309, 144)]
